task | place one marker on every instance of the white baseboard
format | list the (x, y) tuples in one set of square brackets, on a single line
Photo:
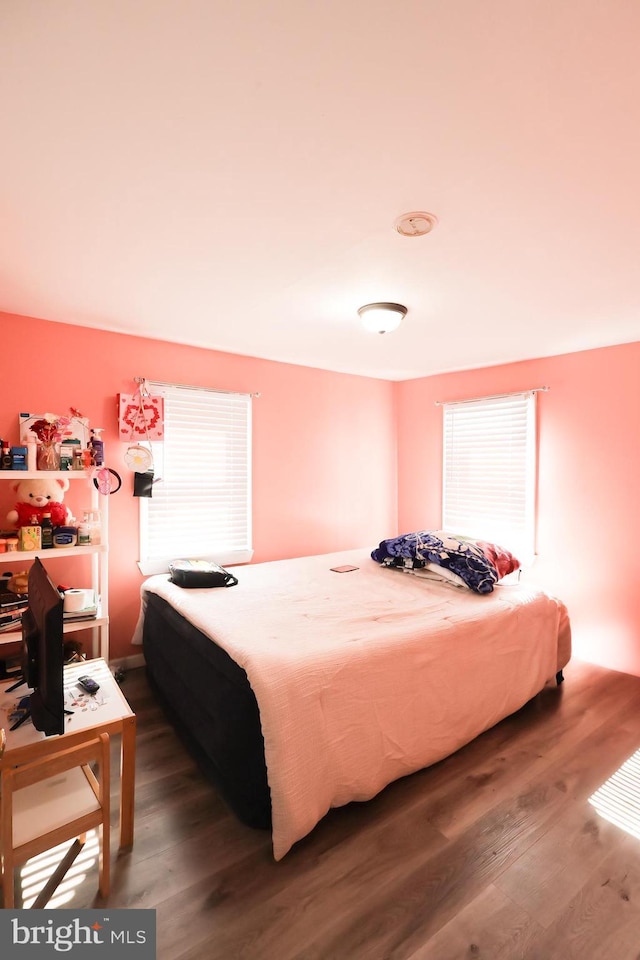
[(128, 663)]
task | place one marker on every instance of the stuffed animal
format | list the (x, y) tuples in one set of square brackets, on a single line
[(19, 582), (37, 497), (72, 652)]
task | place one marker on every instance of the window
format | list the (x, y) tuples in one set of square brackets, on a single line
[(201, 501), (489, 470)]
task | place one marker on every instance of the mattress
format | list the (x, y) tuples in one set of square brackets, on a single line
[(305, 689)]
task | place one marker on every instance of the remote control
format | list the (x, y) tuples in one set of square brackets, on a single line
[(89, 684)]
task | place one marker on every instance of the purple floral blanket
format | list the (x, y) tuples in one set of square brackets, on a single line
[(462, 557)]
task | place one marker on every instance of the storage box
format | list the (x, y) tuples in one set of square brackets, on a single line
[(30, 538), (18, 458), (66, 453)]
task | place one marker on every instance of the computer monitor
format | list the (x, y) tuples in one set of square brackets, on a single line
[(43, 651)]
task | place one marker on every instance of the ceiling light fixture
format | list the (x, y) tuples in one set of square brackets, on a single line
[(382, 317)]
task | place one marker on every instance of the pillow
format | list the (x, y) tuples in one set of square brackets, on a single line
[(464, 558), (504, 561)]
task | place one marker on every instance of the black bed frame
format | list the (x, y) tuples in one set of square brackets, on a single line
[(212, 707)]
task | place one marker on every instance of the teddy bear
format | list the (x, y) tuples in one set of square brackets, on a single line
[(37, 497), (17, 582)]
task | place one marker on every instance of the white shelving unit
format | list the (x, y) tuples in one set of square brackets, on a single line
[(99, 559)]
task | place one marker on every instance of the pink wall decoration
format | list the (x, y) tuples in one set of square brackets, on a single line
[(140, 417)]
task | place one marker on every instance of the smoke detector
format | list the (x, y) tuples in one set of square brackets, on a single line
[(415, 224)]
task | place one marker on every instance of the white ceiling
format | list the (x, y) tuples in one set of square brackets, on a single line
[(227, 173)]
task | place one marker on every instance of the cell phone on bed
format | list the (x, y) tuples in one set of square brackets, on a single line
[(347, 568)]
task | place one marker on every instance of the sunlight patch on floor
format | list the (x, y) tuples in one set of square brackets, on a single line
[(618, 799), (35, 872)]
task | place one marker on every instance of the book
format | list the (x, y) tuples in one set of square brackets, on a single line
[(12, 615), (12, 620), (88, 612), (10, 601)]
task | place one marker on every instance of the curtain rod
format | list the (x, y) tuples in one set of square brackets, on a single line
[(495, 396), (190, 386)]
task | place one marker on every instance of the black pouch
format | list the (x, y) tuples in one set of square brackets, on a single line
[(199, 573), (143, 484)]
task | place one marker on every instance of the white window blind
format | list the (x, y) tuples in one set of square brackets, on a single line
[(489, 470), (201, 503)]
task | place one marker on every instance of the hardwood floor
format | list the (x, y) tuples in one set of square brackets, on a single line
[(493, 854)]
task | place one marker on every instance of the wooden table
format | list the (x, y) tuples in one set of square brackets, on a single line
[(107, 712)]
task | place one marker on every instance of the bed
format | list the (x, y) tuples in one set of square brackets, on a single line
[(303, 689)]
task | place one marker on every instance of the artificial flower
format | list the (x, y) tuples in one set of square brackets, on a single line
[(50, 428)]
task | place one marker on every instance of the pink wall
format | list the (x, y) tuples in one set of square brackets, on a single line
[(589, 459), (324, 459), (324, 444)]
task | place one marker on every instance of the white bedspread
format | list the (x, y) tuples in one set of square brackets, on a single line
[(364, 677)]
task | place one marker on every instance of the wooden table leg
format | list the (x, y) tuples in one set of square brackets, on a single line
[(127, 781)]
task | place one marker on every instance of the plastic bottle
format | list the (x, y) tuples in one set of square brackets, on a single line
[(97, 446), (32, 462), (84, 534), (94, 522), (46, 532)]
